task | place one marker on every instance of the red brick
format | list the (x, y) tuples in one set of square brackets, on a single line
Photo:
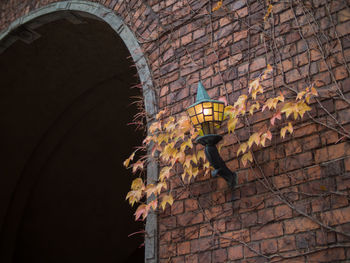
[(191, 232), (235, 252), (299, 224), (329, 255), (219, 255), (237, 36), (336, 217), (267, 231), (183, 248), (286, 243), (283, 212), (293, 75), (177, 207), (258, 63), (332, 152), (265, 216), (268, 246), (343, 29), (191, 258), (251, 250), (287, 15)]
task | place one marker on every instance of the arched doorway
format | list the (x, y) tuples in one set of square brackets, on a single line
[(65, 105)]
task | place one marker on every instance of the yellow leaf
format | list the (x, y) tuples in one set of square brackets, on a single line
[(167, 199), (188, 143), (164, 173), (247, 157), (289, 108), (255, 106), (127, 161), (231, 125), (217, 6), (268, 12), (300, 95), (302, 108), (254, 138), (242, 148), (256, 91), (137, 184), (160, 186), (134, 196), (201, 155), (288, 128), (266, 135), (168, 152)]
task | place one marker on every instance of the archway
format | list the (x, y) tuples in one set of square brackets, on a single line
[(65, 121)]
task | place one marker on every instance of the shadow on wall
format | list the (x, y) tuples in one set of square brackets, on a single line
[(64, 105)]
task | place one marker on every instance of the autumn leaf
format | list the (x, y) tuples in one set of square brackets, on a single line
[(242, 148), (217, 6), (168, 152), (142, 210), (247, 157), (137, 166), (254, 138), (160, 186), (255, 106), (150, 189), (153, 204), (231, 125), (264, 136), (161, 113), (164, 173), (302, 108), (155, 126), (127, 161), (269, 10), (277, 115), (137, 184), (188, 143), (256, 91), (289, 108), (201, 155), (134, 196), (167, 199), (288, 128)]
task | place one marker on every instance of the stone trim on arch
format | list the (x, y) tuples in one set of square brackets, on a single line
[(98, 11)]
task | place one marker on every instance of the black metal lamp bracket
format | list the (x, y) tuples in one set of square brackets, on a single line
[(215, 160)]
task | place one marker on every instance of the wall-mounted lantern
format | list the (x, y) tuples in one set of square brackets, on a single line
[(207, 114)]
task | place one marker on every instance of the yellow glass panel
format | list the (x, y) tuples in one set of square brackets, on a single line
[(220, 116), (200, 118), (191, 111), (208, 118), (207, 105), (199, 108), (194, 120), (216, 116), (207, 112), (216, 106), (221, 107)]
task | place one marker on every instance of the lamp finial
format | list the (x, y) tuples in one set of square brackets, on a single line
[(202, 94)]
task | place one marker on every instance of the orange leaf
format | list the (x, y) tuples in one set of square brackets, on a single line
[(277, 115), (217, 6)]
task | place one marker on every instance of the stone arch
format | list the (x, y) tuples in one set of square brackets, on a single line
[(56, 10)]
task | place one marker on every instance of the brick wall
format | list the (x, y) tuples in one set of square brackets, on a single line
[(292, 204)]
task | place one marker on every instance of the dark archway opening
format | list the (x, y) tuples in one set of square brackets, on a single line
[(64, 107)]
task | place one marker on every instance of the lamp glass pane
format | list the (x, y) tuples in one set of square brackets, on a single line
[(199, 108), (200, 118), (191, 111), (207, 104), (208, 112), (216, 107), (209, 118), (221, 107), (220, 116), (216, 116), (194, 120)]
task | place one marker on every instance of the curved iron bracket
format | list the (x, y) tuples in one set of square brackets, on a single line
[(215, 160)]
